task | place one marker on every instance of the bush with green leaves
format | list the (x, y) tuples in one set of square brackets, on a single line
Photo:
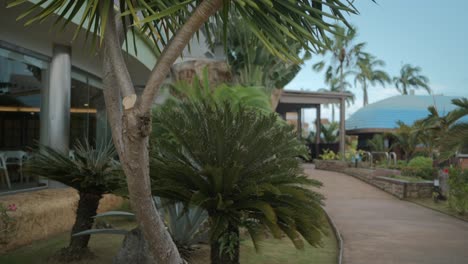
[(242, 167), (329, 155), (92, 171), (419, 167), (458, 190), (187, 225)]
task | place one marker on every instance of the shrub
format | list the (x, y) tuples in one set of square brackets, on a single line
[(329, 155), (458, 190), (419, 167)]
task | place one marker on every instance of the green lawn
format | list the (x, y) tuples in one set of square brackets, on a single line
[(441, 206), (105, 247)]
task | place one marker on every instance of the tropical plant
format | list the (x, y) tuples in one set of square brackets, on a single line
[(171, 25), (242, 168), (329, 155), (367, 74), (329, 132), (458, 190), (186, 225), (406, 138), (8, 224), (411, 78), (252, 63), (419, 167), (377, 143), (91, 171), (336, 86), (344, 54), (455, 140)]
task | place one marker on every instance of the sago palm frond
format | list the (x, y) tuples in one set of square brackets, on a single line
[(241, 167)]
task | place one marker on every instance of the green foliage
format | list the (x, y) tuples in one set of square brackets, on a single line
[(406, 138), (8, 224), (91, 170), (185, 225), (329, 132), (240, 166), (368, 74), (419, 167), (329, 155), (377, 143), (458, 190), (158, 20), (411, 77)]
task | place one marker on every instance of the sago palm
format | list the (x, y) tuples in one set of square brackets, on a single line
[(242, 167), (411, 78), (92, 172)]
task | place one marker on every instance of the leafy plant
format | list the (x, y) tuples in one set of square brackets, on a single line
[(458, 190), (411, 77), (187, 226), (8, 225), (242, 168), (92, 171), (377, 143), (329, 155), (419, 167)]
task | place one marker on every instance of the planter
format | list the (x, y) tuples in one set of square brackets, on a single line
[(331, 165)]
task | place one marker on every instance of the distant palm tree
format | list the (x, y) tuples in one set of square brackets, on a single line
[(344, 54), (329, 132), (367, 74), (411, 77), (335, 86)]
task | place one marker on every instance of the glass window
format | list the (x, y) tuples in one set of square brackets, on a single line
[(21, 79)]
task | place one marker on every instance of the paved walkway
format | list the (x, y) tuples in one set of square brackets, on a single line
[(378, 228)]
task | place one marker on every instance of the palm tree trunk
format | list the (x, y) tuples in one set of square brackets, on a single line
[(364, 90), (86, 210), (226, 254)]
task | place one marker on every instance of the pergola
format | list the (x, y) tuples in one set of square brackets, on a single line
[(295, 101)]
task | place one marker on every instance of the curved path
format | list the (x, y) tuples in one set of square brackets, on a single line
[(378, 228)]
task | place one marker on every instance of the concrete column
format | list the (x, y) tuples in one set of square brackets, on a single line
[(342, 128), (299, 123), (318, 130), (55, 103)]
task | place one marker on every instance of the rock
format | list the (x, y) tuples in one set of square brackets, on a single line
[(134, 250)]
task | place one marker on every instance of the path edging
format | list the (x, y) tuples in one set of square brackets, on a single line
[(436, 210), (338, 237)]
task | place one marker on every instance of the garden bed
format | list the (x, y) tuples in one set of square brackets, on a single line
[(272, 251), (44, 213), (440, 206), (332, 165)]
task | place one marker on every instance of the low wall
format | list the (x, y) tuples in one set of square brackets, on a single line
[(332, 165), (44, 213), (399, 188)]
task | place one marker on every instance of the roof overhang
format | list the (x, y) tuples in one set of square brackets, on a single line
[(368, 131), (311, 99)]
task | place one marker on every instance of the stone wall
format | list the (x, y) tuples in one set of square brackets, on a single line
[(399, 188), (331, 165)]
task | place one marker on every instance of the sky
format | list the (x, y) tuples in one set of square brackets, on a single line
[(432, 34)]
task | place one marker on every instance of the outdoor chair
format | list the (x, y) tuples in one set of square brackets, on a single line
[(17, 157), (5, 169)]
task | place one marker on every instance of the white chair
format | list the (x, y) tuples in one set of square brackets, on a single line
[(3, 167), (16, 157)]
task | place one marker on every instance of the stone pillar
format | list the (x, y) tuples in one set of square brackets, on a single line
[(342, 128), (318, 130), (55, 101), (299, 123)]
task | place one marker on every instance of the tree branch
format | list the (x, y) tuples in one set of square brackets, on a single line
[(173, 50), (116, 78)]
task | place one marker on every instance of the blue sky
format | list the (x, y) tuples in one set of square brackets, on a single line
[(432, 34)]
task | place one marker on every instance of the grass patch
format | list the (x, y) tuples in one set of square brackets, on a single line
[(441, 206), (106, 246)]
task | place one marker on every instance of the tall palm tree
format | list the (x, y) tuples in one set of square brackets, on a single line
[(411, 78), (335, 85), (171, 25), (240, 166), (368, 74), (344, 53)]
